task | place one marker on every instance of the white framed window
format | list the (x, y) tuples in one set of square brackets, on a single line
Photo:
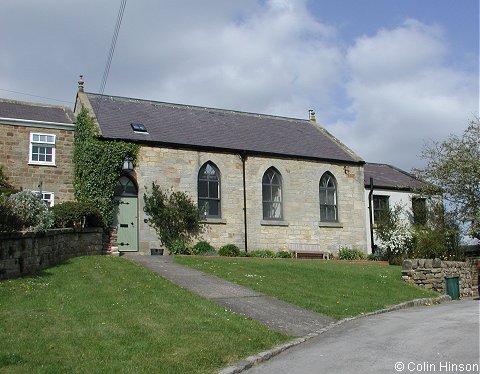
[(48, 198), (42, 149)]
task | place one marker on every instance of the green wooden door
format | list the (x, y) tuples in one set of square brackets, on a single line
[(126, 215), (127, 222)]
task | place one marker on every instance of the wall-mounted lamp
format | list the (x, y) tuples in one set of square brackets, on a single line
[(127, 163)]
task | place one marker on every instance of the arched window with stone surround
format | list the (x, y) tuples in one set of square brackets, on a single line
[(209, 190), (272, 195), (328, 198)]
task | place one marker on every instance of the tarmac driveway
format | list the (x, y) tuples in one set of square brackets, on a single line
[(422, 339)]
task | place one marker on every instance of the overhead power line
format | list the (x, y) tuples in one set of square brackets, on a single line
[(41, 97), (112, 46)]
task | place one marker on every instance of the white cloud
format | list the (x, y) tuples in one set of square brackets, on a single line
[(274, 58), (403, 94)]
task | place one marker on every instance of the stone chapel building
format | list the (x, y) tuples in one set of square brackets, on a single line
[(263, 181)]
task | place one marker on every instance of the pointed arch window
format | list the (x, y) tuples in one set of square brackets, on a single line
[(272, 194), (328, 198), (209, 190), (125, 187)]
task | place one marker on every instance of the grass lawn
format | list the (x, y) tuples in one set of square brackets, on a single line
[(336, 289), (109, 315)]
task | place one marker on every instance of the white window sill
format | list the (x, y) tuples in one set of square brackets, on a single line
[(42, 163), (331, 224), (214, 221), (267, 222)]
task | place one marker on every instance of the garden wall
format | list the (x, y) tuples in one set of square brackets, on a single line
[(23, 253), (431, 274)]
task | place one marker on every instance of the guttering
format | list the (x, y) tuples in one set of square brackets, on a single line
[(243, 156), (34, 123), (370, 215)]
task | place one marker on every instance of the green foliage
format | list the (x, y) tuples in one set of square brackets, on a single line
[(395, 235), (180, 247), (97, 165), (6, 189), (202, 247), (453, 169), (261, 254), (229, 250), (439, 237), (173, 215), (75, 214), (379, 255), (352, 254), (31, 212), (269, 254), (9, 220), (284, 253)]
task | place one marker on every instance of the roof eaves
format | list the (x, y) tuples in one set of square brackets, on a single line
[(247, 152)]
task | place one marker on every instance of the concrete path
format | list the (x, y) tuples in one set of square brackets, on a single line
[(439, 338), (277, 315)]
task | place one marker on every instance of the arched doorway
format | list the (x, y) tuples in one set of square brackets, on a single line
[(126, 214)]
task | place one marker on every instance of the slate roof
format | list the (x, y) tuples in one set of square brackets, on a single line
[(389, 177), (216, 129), (35, 112)]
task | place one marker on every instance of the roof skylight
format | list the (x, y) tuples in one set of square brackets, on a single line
[(139, 127)]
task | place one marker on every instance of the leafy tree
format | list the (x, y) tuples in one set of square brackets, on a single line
[(453, 169), (173, 215), (438, 236)]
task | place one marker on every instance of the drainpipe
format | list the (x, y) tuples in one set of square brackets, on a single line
[(370, 215), (243, 156)]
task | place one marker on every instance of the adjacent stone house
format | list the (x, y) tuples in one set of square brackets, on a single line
[(36, 147), (263, 182), (387, 186)]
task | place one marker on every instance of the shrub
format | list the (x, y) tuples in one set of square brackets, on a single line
[(261, 254), (9, 220), (180, 247), (202, 247), (6, 188), (74, 214), (284, 253), (173, 215), (351, 254), (229, 250), (32, 212)]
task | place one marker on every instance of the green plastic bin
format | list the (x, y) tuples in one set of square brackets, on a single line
[(453, 287)]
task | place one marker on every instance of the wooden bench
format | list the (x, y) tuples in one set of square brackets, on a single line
[(312, 255)]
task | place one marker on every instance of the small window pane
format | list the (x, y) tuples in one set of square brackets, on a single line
[(213, 208), (213, 190), (202, 189), (266, 193)]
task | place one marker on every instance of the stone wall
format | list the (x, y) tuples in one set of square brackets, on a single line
[(23, 253), (14, 156), (301, 227), (430, 274), (474, 263)]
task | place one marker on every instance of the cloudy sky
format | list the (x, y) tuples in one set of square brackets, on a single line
[(383, 76)]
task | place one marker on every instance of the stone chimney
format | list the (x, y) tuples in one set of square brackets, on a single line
[(311, 115), (80, 84)]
